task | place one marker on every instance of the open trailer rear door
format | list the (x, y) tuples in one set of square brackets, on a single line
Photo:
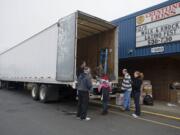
[(66, 49)]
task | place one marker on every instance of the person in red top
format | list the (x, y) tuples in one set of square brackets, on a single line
[(105, 89)]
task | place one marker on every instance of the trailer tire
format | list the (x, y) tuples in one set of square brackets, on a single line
[(0, 84), (35, 92), (3, 85), (43, 94)]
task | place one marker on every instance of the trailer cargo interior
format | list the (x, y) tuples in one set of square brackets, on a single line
[(93, 36), (52, 57)]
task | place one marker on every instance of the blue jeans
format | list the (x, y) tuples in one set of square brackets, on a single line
[(127, 99)]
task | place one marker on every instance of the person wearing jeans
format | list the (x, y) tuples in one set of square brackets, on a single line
[(137, 82), (127, 100), (84, 86), (105, 100), (127, 88), (136, 96), (83, 97), (105, 89)]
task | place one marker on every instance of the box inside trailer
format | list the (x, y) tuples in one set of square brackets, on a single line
[(94, 36)]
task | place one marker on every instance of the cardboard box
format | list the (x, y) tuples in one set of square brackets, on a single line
[(173, 96), (178, 96), (119, 99)]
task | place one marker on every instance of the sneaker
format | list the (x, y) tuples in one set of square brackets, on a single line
[(87, 119), (123, 109), (127, 109), (104, 113), (134, 115)]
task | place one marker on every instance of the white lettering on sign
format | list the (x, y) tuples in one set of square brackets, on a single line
[(157, 49), (159, 32), (159, 14)]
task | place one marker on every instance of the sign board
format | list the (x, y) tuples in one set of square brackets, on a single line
[(159, 26), (157, 49), (159, 14)]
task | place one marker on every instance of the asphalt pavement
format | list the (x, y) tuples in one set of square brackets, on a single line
[(20, 115)]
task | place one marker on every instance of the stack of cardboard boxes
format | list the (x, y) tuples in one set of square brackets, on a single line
[(175, 92), (146, 89)]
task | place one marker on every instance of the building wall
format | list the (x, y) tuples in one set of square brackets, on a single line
[(127, 36), (160, 71)]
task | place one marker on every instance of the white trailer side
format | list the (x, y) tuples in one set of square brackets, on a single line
[(53, 55), (33, 60)]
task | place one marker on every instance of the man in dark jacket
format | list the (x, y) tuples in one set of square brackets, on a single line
[(84, 86)]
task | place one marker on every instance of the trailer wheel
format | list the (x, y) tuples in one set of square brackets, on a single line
[(35, 92), (43, 94), (3, 85), (0, 84)]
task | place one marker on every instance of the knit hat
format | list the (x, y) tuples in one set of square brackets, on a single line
[(105, 77)]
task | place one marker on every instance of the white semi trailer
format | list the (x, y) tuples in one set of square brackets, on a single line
[(48, 61)]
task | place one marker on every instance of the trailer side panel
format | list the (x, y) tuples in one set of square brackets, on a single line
[(34, 60)]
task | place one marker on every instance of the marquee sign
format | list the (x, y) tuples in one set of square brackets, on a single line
[(159, 26)]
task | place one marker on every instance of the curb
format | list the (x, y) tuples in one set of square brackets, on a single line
[(143, 111)]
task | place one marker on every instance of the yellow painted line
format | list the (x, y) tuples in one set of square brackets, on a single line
[(148, 112), (143, 119), (162, 115), (147, 120), (160, 123)]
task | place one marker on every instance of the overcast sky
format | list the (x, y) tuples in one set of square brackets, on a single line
[(20, 19)]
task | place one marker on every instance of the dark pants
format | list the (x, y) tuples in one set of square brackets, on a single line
[(105, 100), (83, 101), (137, 104)]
